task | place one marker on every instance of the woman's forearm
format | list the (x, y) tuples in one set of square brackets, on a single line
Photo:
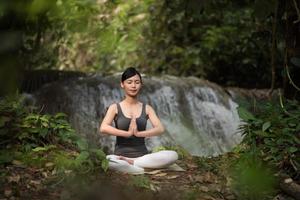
[(150, 132), (113, 131)]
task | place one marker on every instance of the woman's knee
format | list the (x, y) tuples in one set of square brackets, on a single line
[(166, 157), (170, 155)]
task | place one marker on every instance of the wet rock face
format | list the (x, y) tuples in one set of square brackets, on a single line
[(198, 115)]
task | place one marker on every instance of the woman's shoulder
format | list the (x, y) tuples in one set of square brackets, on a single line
[(148, 108), (113, 107), (147, 105)]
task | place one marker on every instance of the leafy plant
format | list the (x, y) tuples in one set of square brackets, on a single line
[(252, 178), (18, 126), (273, 133), (37, 139), (182, 153), (140, 181)]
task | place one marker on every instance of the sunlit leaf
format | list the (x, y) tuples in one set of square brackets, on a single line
[(104, 164), (60, 115), (266, 126), (82, 156), (244, 114), (99, 153), (37, 149), (293, 149), (82, 144)]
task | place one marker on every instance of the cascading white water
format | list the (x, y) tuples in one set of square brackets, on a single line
[(198, 115)]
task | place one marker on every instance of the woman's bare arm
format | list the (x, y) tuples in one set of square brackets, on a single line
[(106, 125), (157, 129)]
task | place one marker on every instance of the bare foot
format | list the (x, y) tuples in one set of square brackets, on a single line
[(130, 161)]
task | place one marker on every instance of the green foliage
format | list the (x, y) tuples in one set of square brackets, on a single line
[(251, 178), (6, 156), (204, 164), (140, 181), (182, 153), (224, 41), (63, 161), (190, 194), (274, 132), (244, 114), (76, 26), (36, 139), (121, 34), (217, 40), (19, 126)]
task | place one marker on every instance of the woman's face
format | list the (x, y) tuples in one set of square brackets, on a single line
[(132, 85)]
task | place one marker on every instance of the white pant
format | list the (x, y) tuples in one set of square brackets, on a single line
[(159, 159)]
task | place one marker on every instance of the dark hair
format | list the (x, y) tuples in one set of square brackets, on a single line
[(130, 72)]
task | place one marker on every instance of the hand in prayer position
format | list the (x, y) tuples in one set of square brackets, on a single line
[(132, 127)]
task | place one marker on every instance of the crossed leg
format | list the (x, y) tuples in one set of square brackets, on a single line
[(117, 163), (155, 160), (158, 159)]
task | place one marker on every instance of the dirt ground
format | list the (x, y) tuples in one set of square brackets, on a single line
[(202, 179), (193, 183)]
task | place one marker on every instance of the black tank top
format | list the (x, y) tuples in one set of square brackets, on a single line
[(133, 146)]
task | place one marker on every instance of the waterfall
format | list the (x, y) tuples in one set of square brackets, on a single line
[(198, 115)]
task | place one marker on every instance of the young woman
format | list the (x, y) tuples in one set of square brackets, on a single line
[(130, 117)]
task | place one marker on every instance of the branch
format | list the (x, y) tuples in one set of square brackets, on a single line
[(298, 12), (290, 79), (283, 108), (273, 48)]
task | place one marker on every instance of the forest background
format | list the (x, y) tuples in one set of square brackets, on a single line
[(235, 43)]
